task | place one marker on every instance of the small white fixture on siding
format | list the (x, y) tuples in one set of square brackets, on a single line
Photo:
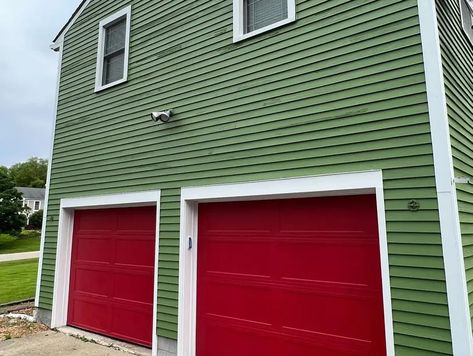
[(113, 49), (252, 17), (466, 8), (163, 116), (461, 180)]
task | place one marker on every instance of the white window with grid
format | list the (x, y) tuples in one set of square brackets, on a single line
[(252, 17), (113, 49)]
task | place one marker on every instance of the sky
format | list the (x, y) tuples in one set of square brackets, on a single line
[(28, 73)]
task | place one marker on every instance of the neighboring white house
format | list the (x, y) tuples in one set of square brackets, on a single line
[(33, 198)]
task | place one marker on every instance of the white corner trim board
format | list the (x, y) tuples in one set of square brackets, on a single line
[(64, 247), (457, 293), (325, 185), (48, 180)]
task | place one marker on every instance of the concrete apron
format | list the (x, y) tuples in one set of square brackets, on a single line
[(166, 347), (52, 343), (105, 341)]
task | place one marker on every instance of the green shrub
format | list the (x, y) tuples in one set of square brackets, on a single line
[(29, 234), (12, 219)]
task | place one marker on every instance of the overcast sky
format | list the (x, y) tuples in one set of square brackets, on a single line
[(28, 71)]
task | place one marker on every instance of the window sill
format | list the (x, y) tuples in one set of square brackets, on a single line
[(237, 37), (99, 88)]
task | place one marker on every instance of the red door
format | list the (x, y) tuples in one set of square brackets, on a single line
[(290, 277), (112, 272)]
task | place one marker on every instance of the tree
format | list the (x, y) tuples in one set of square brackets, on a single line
[(12, 217), (36, 220), (3, 169), (31, 173)]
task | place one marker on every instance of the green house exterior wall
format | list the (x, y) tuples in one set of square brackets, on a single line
[(342, 89), (457, 60)]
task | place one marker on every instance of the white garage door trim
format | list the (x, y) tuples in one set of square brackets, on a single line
[(64, 247), (326, 185)]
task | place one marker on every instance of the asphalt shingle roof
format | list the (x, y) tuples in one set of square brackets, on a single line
[(32, 193)]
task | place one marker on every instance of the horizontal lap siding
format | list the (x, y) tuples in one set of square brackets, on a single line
[(457, 57), (340, 90)]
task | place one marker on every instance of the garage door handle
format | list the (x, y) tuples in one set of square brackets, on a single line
[(189, 246)]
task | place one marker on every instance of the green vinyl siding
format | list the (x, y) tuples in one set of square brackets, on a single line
[(342, 89), (457, 59)]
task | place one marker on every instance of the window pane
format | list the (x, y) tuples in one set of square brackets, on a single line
[(261, 13), (113, 67), (115, 37)]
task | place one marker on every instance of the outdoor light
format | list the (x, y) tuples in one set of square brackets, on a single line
[(163, 116)]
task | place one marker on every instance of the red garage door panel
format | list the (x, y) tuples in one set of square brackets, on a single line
[(112, 272), (290, 277)]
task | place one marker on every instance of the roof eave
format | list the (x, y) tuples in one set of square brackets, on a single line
[(59, 39), (55, 46)]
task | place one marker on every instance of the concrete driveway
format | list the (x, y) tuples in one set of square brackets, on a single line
[(51, 343), (18, 256)]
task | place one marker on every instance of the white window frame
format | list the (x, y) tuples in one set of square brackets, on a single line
[(239, 21), (39, 205), (101, 47), (466, 11), (370, 182), (64, 248)]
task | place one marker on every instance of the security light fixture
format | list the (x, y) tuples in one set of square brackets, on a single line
[(163, 116)]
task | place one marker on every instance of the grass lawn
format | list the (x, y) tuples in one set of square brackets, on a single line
[(27, 241), (17, 280)]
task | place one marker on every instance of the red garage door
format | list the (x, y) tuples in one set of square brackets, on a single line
[(112, 268), (290, 277)]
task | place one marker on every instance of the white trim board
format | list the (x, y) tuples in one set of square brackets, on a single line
[(48, 183), (64, 248), (326, 185), (457, 293)]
